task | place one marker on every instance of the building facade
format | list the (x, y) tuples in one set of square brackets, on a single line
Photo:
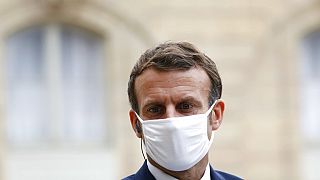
[(65, 66)]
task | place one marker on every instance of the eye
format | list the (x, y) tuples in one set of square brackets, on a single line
[(154, 109), (184, 106)]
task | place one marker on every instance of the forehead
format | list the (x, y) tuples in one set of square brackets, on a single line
[(155, 83)]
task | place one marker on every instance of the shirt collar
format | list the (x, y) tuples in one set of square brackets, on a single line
[(160, 175)]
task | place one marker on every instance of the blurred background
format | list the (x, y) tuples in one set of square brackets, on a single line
[(64, 67)]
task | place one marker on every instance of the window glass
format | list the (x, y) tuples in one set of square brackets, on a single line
[(82, 82), (309, 106), (310, 87), (55, 86), (26, 88)]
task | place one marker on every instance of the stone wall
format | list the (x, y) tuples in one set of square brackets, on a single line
[(254, 44)]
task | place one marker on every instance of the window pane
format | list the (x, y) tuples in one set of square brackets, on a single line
[(310, 88), (310, 114), (26, 88), (82, 78), (55, 86)]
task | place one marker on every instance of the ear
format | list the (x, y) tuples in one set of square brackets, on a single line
[(135, 124), (217, 116)]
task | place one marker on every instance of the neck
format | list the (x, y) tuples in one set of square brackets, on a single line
[(194, 173)]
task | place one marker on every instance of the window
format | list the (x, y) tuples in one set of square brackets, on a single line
[(56, 122), (55, 87), (309, 106), (310, 87)]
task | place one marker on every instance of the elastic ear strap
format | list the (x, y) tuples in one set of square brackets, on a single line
[(138, 127), (211, 107), (141, 149), (139, 118)]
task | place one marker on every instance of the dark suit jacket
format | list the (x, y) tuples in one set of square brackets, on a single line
[(145, 174)]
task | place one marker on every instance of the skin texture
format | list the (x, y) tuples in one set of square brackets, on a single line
[(165, 94)]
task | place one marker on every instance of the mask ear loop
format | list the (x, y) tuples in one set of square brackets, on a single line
[(207, 114), (211, 108), (142, 149), (141, 137)]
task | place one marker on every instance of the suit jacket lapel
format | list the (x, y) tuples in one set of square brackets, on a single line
[(144, 173), (214, 175)]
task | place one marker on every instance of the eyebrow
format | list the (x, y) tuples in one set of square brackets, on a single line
[(153, 101), (191, 98), (183, 99)]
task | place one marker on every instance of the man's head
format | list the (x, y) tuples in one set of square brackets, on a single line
[(175, 80), (173, 57), (165, 62)]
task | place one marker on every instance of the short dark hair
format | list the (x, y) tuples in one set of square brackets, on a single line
[(175, 56)]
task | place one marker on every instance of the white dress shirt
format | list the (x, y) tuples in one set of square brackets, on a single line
[(160, 175)]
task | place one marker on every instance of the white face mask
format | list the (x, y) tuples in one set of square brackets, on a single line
[(177, 143)]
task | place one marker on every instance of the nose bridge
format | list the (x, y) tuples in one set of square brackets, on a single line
[(171, 111)]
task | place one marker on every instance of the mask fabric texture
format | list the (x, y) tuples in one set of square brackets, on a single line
[(177, 143)]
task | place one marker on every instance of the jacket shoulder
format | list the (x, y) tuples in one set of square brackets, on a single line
[(131, 177), (142, 174), (226, 176)]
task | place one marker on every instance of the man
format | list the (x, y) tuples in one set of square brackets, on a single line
[(174, 91)]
